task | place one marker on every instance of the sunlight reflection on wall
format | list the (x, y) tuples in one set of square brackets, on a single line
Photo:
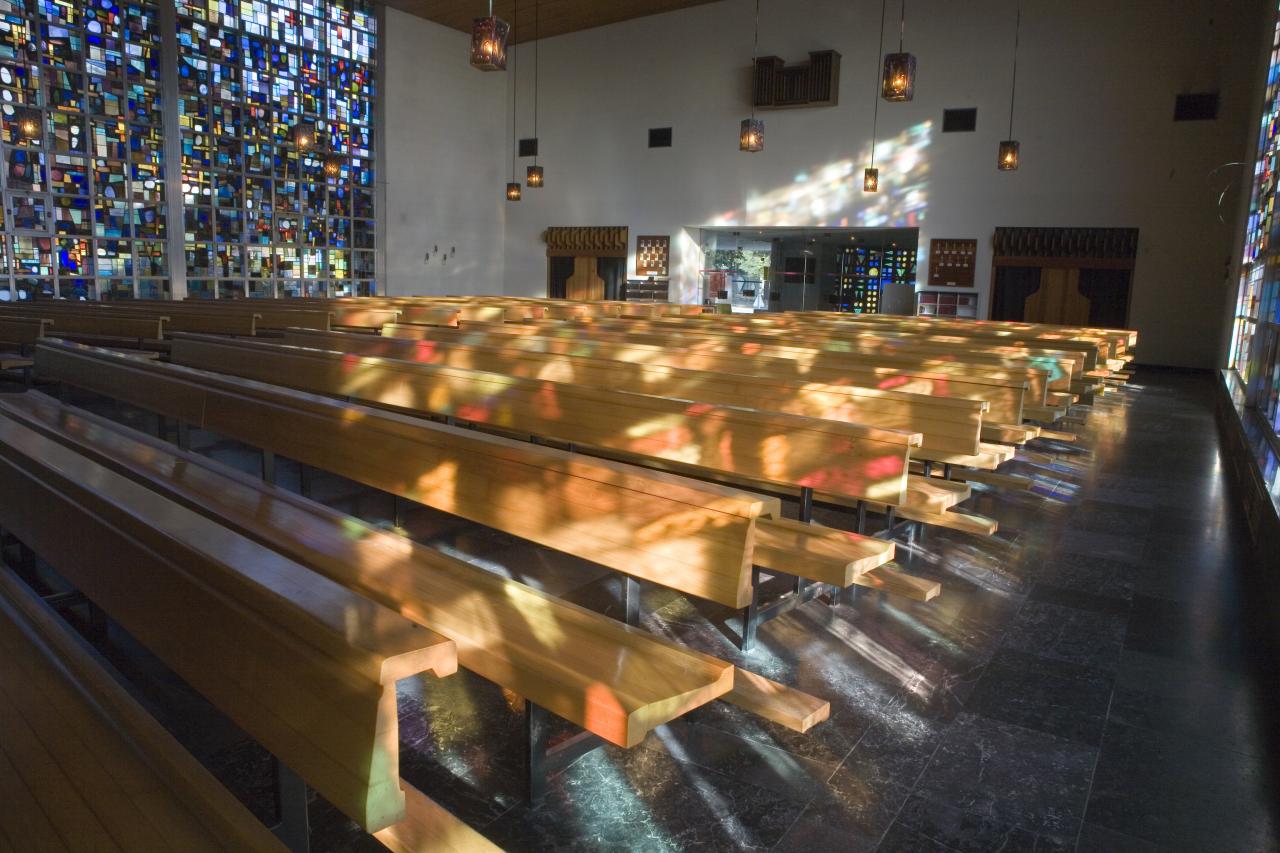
[(831, 195)]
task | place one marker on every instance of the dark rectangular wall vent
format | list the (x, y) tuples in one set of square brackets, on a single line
[(529, 147), (1196, 106), (659, 137), (960, 121)]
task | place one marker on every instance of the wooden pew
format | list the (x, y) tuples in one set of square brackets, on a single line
[(305, 666), (21, 333), (1005, 397), (759, 447), (599, 669), (685, 534), (888, 346), (83, 766), (840, 463), (63, 323), (610, 678), (950, 428)]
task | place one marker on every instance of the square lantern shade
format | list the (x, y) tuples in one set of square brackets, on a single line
[(870, 180), (513, 192), (489, 43), (332, 166), (533, 176), (899, 82), (751, 137), (1008, 155)]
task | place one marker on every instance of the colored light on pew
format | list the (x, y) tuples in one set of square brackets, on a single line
[(425, 351)]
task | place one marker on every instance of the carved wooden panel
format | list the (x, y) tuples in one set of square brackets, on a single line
[(1118, 245), (816, 83), (593, 241)]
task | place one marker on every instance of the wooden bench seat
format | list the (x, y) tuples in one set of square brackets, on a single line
[(945, 425), (109, 325), (684, 534), (83, 766), (614, 680), (1054, 369), (809, 359), (1005, 398), (312, 676), (849, 459)]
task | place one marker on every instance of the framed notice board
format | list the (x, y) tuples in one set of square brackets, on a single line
[(653, 255), (951, 262)]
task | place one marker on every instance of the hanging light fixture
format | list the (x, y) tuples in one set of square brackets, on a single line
[(1008, 157), (26, 124), (871, 175), (513, 188), (303, 136), (332, 166), (533, 175), (751, 134), (899, 81), (489, 42)]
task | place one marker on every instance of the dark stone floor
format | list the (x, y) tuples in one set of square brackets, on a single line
[(1088, 680)]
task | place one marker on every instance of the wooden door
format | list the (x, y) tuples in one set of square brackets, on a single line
[(585, 284), (1058, 300)]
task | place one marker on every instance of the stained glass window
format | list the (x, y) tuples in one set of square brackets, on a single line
[(1256, 326), (83, 127), (79, 67), (260, 212)]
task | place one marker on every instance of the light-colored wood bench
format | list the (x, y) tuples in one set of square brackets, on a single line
[(313, 671), (617, 680), (1005, 398), (691, 536), (889, 346), (612, 679), (766, 447), (837, 462), (950, 427), (83, 766)]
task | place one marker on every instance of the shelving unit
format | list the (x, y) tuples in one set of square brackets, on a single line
[(933, 303)]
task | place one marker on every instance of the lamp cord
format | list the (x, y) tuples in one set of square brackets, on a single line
[(755, 50), (515, 89), (875, 112), (1013, 88), (902, 26), (535, 82)]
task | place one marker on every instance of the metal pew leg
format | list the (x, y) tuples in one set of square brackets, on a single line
[(541, 761), (631, 600), (268, 467), (751, 614), (294, 828), (304, 480), (806, 517)]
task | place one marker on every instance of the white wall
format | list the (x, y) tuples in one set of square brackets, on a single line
[(1096, 85), (446, 127)]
